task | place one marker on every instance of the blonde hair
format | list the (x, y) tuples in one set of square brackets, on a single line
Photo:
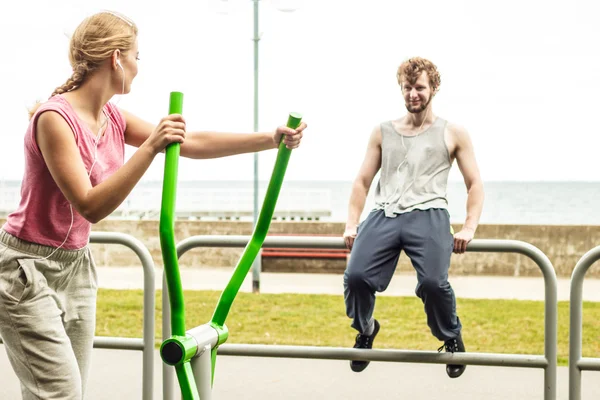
[(94, 41), (412, 68)]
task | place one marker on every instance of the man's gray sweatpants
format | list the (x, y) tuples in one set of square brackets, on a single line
[(426, 238)]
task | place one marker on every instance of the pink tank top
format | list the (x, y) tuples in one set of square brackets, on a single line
[(43, 215)]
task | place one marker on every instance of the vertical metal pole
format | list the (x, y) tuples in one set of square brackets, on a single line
[(149, 323), (575, 334), (551, 328), (257, 265), (576, 320), (202, 367), (149, 298)]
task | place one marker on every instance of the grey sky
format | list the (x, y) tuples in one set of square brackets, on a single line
[(521, 76)]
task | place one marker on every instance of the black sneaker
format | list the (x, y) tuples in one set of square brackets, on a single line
[(455, 345), (364, 342)]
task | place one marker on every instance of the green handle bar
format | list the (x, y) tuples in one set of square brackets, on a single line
[(260, 230), (183, 370), (256, 241), (179, 340), (167, 226)]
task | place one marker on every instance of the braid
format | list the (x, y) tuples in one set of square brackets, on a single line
[(79, 73)]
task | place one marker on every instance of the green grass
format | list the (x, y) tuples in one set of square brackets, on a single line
[(490, 326)]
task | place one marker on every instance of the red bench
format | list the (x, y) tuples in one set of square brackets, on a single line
[(304, 252), (304, 259)]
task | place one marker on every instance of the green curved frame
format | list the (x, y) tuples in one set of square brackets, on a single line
[(184, 342)]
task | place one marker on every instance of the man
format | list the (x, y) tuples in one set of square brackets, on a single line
[(415, 154)]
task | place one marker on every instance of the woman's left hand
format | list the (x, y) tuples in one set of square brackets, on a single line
[(291, 137)]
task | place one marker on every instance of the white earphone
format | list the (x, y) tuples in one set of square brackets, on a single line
[(122, 75), (389, 205), (96, 141)]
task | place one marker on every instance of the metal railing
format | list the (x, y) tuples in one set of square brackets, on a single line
[(146, 343), (547, 361), (577, 363)]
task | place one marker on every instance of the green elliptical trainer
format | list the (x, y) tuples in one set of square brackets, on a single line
[(198, 346)]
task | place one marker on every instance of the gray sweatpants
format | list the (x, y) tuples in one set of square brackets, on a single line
[(47, 316), (426, 238)]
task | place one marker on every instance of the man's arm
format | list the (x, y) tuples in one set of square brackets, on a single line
[(361, 185), (465, 158)]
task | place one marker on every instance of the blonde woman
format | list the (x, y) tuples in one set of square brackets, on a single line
[(75, 175)]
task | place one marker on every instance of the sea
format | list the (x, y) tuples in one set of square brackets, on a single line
[(523, 203)]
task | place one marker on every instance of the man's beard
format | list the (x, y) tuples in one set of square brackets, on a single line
[(419, 109)]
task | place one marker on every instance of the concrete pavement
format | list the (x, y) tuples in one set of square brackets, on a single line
[(117, 374)]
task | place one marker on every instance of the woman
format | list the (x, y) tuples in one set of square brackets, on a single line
[(75, 176)]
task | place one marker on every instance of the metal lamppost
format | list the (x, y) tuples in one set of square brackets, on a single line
[(284, 7)]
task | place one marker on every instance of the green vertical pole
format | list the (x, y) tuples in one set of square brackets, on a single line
[(260, 230), (178, 349), (254, 245), (167, 226)]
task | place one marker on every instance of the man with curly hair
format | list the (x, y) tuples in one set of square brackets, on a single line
[(415, 154)]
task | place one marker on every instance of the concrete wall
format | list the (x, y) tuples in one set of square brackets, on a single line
[(563, 245)]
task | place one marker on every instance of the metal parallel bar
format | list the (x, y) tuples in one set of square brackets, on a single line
[(115, 343), (550, 301), (118, 343), (589, 364), (576, 363), (149, 295), (425, 357), (479, 245)]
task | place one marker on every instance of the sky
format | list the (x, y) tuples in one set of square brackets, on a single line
[(521, 76)]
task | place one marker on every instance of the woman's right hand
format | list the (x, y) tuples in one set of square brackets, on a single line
[(171, 129)]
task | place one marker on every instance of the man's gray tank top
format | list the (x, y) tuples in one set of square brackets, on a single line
[(414, 176)]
